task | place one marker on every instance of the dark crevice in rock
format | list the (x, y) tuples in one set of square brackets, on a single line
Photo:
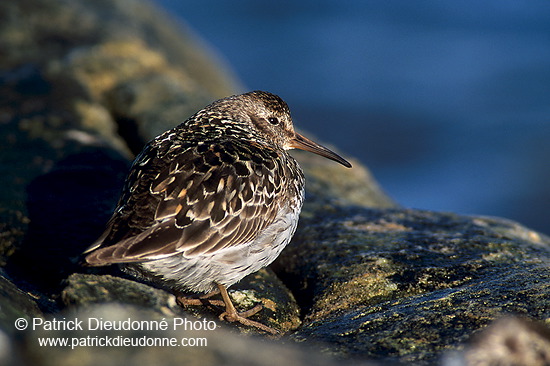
[(299, 288), (67, 209), (128, 130)]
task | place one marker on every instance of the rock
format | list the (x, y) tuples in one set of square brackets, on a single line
[(280, 310), (211, 347), (85, 290), (14, 304), (401, 285), (67, 208), (329, 184), (508, 341)]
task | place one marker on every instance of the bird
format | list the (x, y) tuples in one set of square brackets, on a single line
[(211, 201)]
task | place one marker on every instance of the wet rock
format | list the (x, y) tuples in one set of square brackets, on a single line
[(14, 304), (405, 285)]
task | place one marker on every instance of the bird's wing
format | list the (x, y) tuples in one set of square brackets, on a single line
[(203, 201)]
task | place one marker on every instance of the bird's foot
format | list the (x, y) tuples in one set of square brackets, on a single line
[(231, 315), (243, 319), (201, 300)]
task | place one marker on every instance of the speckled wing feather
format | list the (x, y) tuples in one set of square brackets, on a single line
[(203, 197)]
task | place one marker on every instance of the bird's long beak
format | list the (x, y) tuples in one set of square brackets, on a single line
[(303, 143)]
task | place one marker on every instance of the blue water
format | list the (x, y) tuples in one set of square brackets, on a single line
[(447, 102)]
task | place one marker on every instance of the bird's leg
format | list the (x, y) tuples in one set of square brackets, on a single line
[(231, 315), (201, 300)]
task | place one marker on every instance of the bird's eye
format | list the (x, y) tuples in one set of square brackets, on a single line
[(273, 120)]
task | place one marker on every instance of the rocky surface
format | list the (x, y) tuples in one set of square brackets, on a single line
[(212, 347), (85, 84), (406, 285), (280, 310)]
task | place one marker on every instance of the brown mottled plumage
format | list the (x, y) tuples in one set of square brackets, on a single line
[(212, 200)]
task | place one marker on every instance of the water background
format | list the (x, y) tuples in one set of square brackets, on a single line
[(447, 102)]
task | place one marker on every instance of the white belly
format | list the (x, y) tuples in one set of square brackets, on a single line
[(227, 266)]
